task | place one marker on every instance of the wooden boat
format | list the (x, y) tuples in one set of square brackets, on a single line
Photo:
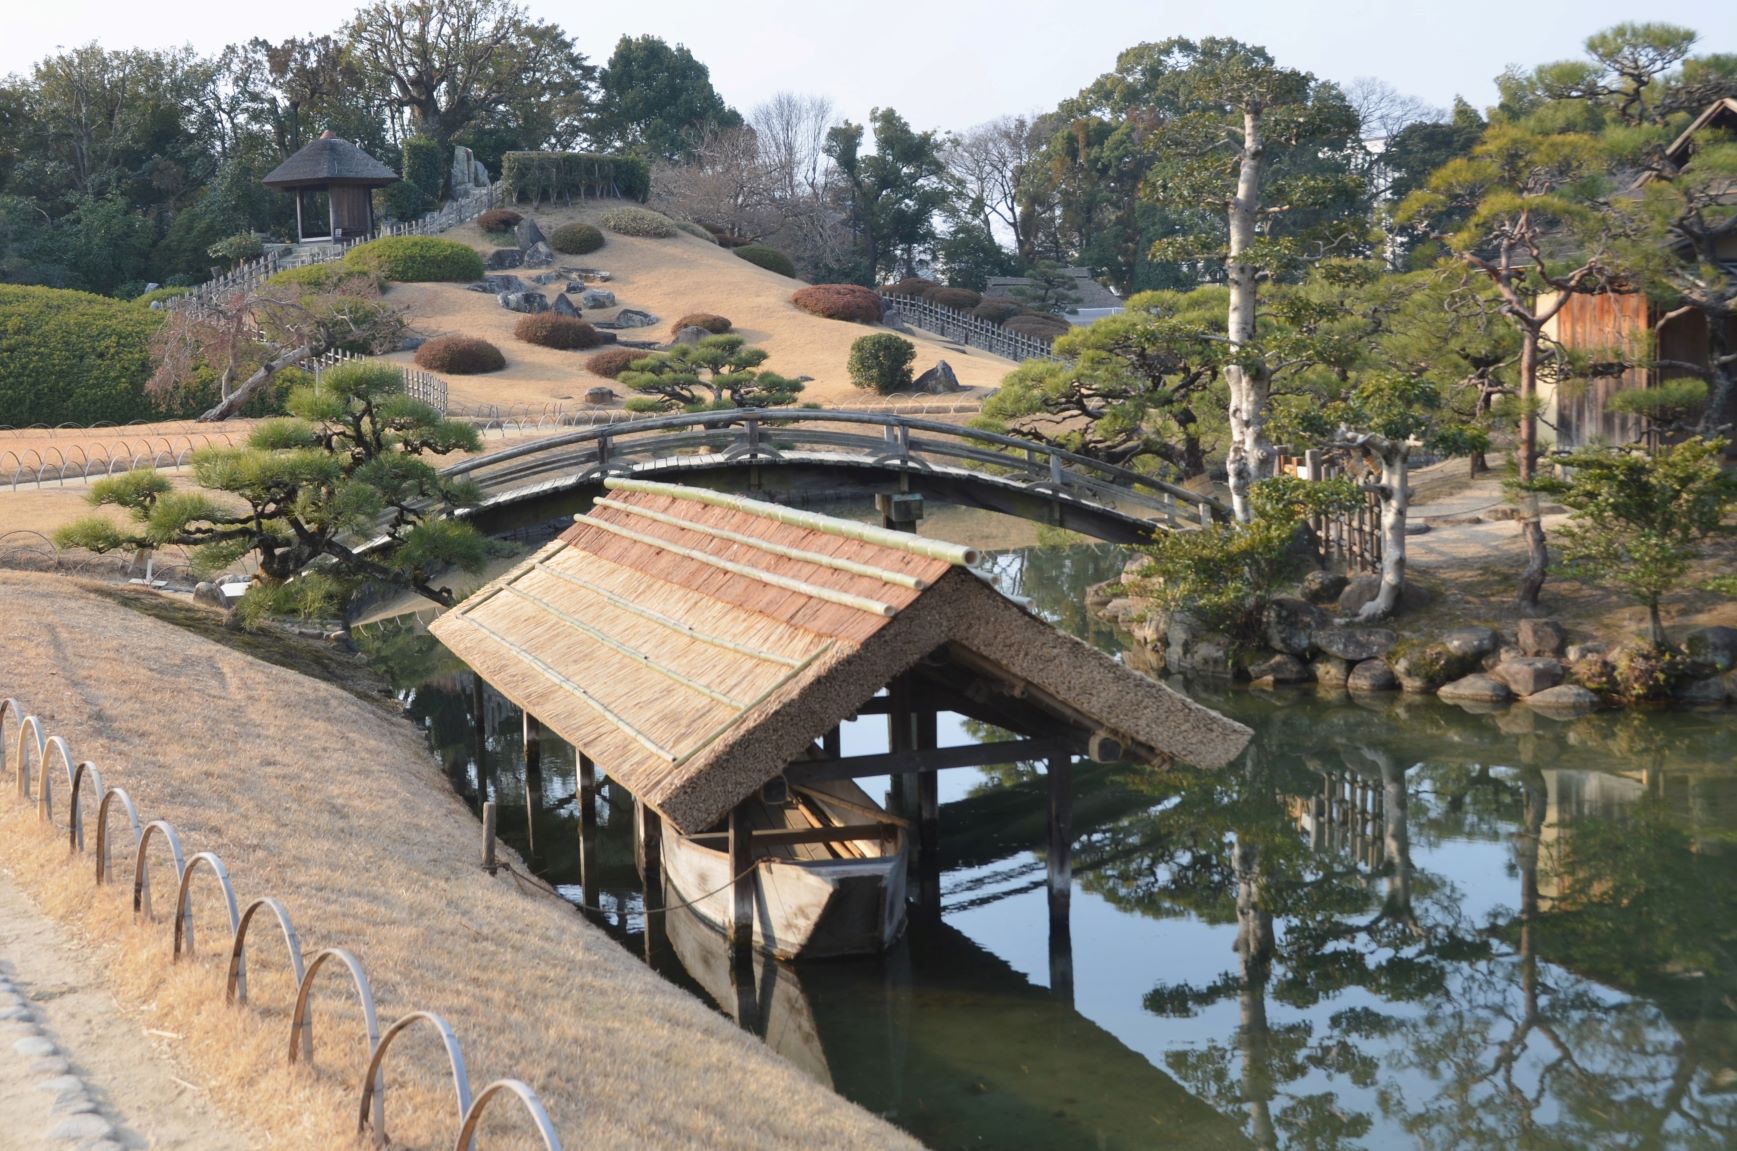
[(811, 900)]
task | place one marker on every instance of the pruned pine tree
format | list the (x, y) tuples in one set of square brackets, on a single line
[(718, 372), (348, 466)]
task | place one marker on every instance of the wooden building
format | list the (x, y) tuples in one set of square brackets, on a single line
[(703, 649), (333, 182)]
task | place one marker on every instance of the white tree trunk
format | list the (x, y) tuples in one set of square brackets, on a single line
[(1250, 457), (1395, 459)]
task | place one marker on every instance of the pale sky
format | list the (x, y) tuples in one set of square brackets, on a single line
[(952, 63)]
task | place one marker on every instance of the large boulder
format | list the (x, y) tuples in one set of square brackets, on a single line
[(1423, 668), (599, 395), (539, 255), (1355, 643), (690, 335), (633, 318), (1529, 675), (1477, 688), (503, 282), (1280, 669), (1705, 692), (562, 306), (1371, 675), (503, 258), (1363, 590), (527, 302), (1323, 587), (1563, 699), (528, 234), (1330, 671), (1291, 625), (596, 298), (1714, 647), (1542, 637), (937, 380), (209, 594), (462, 174), (1476, 642), (1189, 647)]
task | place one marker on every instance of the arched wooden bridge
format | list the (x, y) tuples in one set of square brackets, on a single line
[(798, 453)]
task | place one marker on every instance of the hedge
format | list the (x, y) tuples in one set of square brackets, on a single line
[(498, 220), (417, 259), (641, 222), (997, 311), (763, 256), (881, 363), (563, 333), (611, 362), (460, 355), (696, 231), (851, 302), (710, 321), (1038, 326), (73, 357), (913, 286), (576, 239), (424, 166), (569, 176), (959, 299), (325, 277)]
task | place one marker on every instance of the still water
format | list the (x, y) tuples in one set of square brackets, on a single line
[(1389, 925)]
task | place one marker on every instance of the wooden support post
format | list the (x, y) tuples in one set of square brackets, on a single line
[(928, 819), (901, 737), (741, 931), (587, 791), (480, 720), (648, 844), (832, 743), (533, 780), (1061, 877), (533, 743), (489, 837)]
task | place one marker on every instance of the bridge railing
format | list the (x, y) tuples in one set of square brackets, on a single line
[(883, 440)]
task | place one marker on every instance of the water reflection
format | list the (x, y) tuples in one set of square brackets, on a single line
[(1399, 925)]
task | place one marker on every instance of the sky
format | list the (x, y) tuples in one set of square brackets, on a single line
[(952, 63)]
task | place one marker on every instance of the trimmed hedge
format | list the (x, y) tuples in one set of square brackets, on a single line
[(563, 333), (460, 356), (498, 220), (881, 363), (576, 239), (1040, 326), (325, 277), (611, 362), (959, 299), (73, 357), (417, 259), (710, 321), (763, 256), (642, 222), (423, 165), (913, 286), (997, 311), (569, 176), (696, 231), (851, 302)]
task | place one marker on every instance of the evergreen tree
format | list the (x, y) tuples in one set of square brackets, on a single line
[(657, 100)]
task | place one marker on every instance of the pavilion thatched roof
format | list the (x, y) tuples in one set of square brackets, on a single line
[(694, 644), (330, 160)]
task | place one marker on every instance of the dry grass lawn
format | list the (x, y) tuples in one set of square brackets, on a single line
[(333, 804), (667, 278)]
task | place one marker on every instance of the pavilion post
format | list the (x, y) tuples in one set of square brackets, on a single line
[(928, 817), (901, 737), (741, 869), (480, 720), (533, 778), (1061, 818), (587, 791)]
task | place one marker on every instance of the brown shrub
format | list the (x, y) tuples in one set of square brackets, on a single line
[(959, 299), (715, 324), (498, 220), (611, 362), (1038, 326), (564, 333), (997, 311), (460, 356), (850, 302), (725, 240), (913, 286)]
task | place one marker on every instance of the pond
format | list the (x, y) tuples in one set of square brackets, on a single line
[(1391, 923)]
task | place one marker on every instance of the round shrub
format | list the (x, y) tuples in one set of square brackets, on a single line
[(997, 311), (913, 286), (576, 239), (762, 256), (881, 363), (726, 240), (639, 222), (1038, 326), (460, 356), (696, 231), (959, 299), (611, 362), (499, 220), (333, 277), (851, 302), (717, 325), (564, 333), (73, 357), (417, 259)]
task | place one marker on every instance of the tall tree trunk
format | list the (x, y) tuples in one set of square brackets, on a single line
[(1531, 524), (1720, 416), (1655, 625), (1395, 457), (1254, 947), (1250, 457)]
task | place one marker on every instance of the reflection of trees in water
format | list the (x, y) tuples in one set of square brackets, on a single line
[(1055, 580)]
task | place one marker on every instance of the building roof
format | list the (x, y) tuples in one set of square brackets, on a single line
[(330, 160), (694, 644), (1091, 293)]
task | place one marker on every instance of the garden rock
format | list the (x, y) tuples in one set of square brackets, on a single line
[(526, 302), (596, 298), (691, 336), (632, 318), (467, 173), (539, 255), (1190, 647), (1542, 637), (1281, 669), (528, 234), (1563, 699), (1423, 669), (1714, 647), (1530, 675), (1701, 691), (1478, 688), (502, 283), (1476, 642), (1364, 590), (1330, 671), (1323, 587), (207, 593), (1371, 675), (938, 380), (502, 258), (411, 343), (81, 1129), (1355, 643), (1291, 625), (562, 306), (599, 395), (1580, 651)]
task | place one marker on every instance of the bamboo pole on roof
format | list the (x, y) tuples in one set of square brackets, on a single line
[(837, 563), (957, 554)]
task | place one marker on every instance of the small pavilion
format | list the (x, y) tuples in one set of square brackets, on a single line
[(333, 182)]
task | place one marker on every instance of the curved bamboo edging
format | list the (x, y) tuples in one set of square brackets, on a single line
[(374, 1082)]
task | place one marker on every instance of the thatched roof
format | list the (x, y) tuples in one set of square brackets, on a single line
[(695, 644), (330, 160)]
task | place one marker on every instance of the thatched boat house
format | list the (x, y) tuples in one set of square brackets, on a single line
[(333, 182), (703, 649)]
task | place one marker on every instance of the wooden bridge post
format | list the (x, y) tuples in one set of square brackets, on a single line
[(1061, 877), (741, 933)]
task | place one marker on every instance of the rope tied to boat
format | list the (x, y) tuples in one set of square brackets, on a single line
[(544, 886)]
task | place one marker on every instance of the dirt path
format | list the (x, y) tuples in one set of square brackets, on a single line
[(76, 1069)]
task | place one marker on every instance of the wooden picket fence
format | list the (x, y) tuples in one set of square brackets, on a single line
[(418, 384), (1351, 537), (964, 328)]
